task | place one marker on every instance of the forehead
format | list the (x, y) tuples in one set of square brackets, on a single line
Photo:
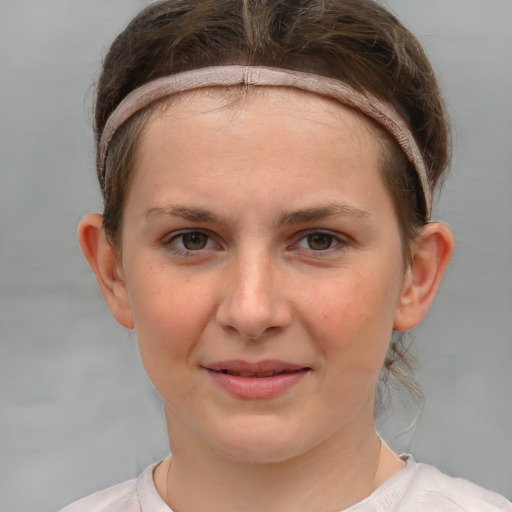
[(238, 99), (263, 146), (263, 109)]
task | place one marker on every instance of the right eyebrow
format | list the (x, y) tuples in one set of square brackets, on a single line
[(191, 213)]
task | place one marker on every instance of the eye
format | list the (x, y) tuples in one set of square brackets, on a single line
[(319, 241), (189, 241), (194, 241)]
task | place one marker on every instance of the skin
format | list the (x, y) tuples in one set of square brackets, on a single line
[(295, 256)]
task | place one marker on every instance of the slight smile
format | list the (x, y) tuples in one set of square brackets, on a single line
[(256, 381)]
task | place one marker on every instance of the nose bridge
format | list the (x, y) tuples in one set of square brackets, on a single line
[(253, 303), (254, 283)]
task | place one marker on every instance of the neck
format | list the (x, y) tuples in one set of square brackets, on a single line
[(202, 480)]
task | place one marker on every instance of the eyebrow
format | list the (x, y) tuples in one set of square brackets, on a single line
[(303, 215), (187, 212), (311, 214)]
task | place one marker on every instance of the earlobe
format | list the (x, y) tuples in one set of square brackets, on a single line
[(106, 266), (431, 253)]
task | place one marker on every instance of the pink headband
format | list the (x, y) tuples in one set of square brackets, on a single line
[(382, 112)]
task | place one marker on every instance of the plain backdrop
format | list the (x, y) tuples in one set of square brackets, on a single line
[(76, 411)]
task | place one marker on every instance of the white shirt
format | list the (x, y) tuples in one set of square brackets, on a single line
[(416, 488)]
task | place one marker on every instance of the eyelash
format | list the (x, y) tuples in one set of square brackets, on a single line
[(336, 243), (168, 242)]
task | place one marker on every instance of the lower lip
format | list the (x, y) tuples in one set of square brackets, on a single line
[(257, 388)]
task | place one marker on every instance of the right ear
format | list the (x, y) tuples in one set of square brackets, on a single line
[(107, 268)]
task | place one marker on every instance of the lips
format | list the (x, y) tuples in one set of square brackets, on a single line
[(255, 374), (256, 381)]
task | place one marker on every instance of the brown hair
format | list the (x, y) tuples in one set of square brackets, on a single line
[(356, 41)]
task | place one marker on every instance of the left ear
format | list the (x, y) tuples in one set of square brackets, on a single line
[(431, 253)]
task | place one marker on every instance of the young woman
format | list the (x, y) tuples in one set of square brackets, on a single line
[(267, 170)]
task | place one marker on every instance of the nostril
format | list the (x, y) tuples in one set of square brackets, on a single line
[(252, 306)]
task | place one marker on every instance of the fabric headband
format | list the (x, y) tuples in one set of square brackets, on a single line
[(381, 112)]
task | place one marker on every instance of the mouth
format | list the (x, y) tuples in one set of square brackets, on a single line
[(256, 381), (257, 374), (260, 369)]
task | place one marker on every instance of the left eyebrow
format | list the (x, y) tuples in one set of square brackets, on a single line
[(312, 214)]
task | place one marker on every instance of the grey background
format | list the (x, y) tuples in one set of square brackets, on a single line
[(77, 412)]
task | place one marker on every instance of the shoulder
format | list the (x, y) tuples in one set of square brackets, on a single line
[(135, 495), (430, 489), (121, 497)]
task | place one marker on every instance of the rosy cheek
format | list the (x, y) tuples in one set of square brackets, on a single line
[(339, 303), (342, 318), (171, 314)]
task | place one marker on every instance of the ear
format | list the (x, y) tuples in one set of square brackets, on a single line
[(106, 266), (431, 253)]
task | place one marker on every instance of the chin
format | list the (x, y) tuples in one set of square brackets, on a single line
[(260, 443)]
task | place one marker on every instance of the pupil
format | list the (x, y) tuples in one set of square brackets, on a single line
[(194, 241), (319, 241)]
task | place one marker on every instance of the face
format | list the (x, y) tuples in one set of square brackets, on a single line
[(263, 267)]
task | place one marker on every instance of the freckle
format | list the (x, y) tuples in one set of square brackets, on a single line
[(326, 317)]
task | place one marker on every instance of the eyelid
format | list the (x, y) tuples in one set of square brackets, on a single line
[(176, 235), (342, 241)]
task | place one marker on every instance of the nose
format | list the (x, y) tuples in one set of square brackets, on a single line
[(253, 304)]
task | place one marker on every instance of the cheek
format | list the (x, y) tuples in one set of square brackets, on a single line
[(352, 318), (170, 313)]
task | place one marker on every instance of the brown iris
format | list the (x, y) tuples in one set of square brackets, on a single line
[(194, 241), (319, 241)]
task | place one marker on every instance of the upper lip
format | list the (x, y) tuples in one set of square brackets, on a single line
[(253, 369)]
